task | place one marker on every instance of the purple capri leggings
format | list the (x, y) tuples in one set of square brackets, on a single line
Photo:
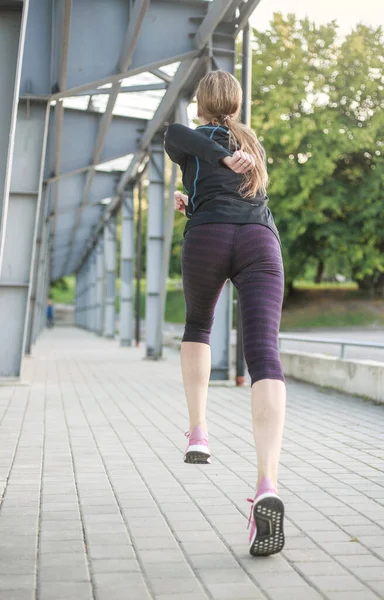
[(250, 256)]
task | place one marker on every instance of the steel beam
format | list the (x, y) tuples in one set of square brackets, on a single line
[(74, 91), (162, 75), (246, 12), (127, 268), (12, 31), (155, 250), (139, 10), (128, 89), (110, 268)]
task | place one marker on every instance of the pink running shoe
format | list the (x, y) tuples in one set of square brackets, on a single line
[(266, 520), (198, 451)]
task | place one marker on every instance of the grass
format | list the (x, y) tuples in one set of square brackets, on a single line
[(331, 285), (64, 296), (336, 318), (329, 305)]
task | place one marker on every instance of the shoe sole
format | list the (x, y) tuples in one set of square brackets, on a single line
[(269, 517), (197, 458)]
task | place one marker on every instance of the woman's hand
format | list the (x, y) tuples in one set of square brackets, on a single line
[(181, 202), (240, 162)]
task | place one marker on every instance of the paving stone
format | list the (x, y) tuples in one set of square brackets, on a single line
[(115, 565), (174, 585), (320, 568), (12, 566), (275, 580), (168, 570), (194, 596), (59, 546), (303, 592), (240, 591), (370, 574), (19, 595), (139, 592), (111, 551), (213, 561), (17, 582), (332, 583), (360, 560), (365, 595), (155, 543), (154, 556), (66, 559), (59, 590), (65, 573)]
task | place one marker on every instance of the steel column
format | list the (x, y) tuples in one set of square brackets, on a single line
[(99, 317), (110, 267), (246, 81), (35, 272), (10, 23), (87, 292), (90, 292), (81, 280), (155, 249), (221, 336), (127, 268), (77, 300), (170, 218), (19, 232), (42, 274), (139, 263), (94, 289)]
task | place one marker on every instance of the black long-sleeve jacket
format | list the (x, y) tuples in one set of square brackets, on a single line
[(212, 188)]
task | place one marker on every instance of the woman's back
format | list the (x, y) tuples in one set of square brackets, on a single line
[(214, 194)]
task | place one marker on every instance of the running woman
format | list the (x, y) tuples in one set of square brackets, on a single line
[(230, 234)]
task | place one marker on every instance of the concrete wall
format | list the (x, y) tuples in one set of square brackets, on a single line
[(360, 377), (363, 377)]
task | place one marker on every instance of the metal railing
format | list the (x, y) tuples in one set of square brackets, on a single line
[(341, 343)]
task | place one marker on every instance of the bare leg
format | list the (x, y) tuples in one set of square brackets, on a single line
[(268, 415), (196, 369)]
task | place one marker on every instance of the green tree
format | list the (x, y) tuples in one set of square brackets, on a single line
[(317, 107)]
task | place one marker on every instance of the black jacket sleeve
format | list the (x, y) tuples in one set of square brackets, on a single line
[(181, 141)]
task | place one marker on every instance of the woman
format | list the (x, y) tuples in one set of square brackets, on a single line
[(230, 234)]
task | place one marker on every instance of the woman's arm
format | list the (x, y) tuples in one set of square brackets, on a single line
[(181, 141)]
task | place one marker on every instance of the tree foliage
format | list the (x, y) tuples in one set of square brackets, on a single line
[(318, 109)]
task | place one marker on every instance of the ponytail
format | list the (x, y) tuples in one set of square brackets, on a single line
[(243, 138)]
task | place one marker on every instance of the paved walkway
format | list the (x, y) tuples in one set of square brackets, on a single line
[(98, 504)]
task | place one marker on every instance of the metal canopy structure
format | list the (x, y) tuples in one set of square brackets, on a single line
[(86, 89)]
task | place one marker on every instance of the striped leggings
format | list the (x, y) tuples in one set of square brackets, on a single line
[(250, 256)]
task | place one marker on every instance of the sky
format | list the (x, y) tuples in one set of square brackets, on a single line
[(346, 12)]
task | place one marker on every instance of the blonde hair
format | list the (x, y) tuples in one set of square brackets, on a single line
[(219, 98)]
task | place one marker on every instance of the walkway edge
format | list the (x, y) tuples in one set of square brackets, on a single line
[(363, 378)]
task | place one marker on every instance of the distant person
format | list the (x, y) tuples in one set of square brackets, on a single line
[(231, 234), (50, 314)]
